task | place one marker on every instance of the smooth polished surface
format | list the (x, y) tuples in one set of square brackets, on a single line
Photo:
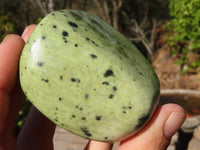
[(87, 77)]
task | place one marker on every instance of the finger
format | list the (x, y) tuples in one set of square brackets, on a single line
[(95, 145), (157, 133), (17, 97), (27, 32), (10, 50)]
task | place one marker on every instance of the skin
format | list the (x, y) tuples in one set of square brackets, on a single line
[(38, 131)]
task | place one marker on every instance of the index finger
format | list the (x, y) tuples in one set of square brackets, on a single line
[(10, 50), (27, 32)]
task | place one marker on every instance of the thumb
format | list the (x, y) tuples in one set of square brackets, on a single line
[(156, 135)]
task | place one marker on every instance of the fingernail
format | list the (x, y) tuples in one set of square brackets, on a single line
[(173, 123), (25, 32)]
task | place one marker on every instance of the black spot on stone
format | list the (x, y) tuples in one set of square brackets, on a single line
[(86, 131), (124, 112), (56, 120), (86, 96), (93, 42), (41, 24), (45, 80), (56, 108), (87, 39), (73, 24), (61, 77), (140, 73), (80, 108), (76, 45), (134, 80), (65, 41), (106, 138), (75, 80), (54, 26), (126, 107), (114, 88), (43, 37), (98, 118), (111, 96), (60, 99), (40, 64), (93, 56), (73, 116), (83, 118), (105, 83), (142, 120), (52, 14), (108, 73), (65, 33), (25, 67)]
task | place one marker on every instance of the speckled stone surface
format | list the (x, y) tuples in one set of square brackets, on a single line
[(87, 77)]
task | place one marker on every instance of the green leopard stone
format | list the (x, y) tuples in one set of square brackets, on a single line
[(87, 77)]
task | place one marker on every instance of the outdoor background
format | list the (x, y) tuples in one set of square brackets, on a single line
[(166, 31)]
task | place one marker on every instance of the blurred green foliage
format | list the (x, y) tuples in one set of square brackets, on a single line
[(185, 27), (22, 116), (6, 26)]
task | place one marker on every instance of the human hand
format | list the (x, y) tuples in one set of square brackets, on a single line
[(37, 132)]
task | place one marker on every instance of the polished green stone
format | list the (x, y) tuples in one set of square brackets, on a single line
[(87, 77)]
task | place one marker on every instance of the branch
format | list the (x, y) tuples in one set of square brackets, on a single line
[(106, 12), (140, 34), (153, 33), (144, 21), (51, 6), (41, 7), (100, 9), (135, 39), (116, 8), (120, 2)]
